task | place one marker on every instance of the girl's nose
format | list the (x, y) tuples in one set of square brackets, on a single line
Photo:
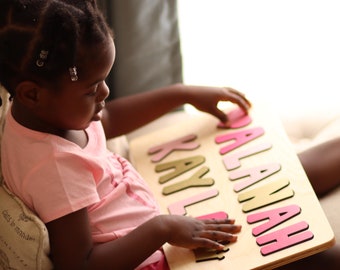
[(103, 92)]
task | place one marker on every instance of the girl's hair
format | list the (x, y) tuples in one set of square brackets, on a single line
[(40, 39)]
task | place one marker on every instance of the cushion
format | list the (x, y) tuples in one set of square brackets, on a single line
[(24, 242), (310, 129), (330, 204)]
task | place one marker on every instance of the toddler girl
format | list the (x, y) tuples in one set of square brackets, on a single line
[(54, 58)]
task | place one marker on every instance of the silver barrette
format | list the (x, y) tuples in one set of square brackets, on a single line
[(42, 58), (73, 74)]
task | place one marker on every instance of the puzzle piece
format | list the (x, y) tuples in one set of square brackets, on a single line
[(253, 175), (178, 208), (236, 118), (202, 254), (180, 166), (195, 180), (238, 138), (284, 238), (232, 161), (274, 217), (265, 195), (216, 215), (183, 143)]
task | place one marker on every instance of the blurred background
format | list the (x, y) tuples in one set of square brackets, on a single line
[(283, 51)]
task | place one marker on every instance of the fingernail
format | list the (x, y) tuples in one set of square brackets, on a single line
[(220, 247)]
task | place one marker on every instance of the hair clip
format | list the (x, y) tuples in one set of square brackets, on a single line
[(42, 58), (73, 74)]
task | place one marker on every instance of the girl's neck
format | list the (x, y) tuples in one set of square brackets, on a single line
[(29, 120)]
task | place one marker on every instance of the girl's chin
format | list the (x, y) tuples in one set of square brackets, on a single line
[(97, 116)]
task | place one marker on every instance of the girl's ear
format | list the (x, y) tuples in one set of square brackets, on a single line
[(27, 92)]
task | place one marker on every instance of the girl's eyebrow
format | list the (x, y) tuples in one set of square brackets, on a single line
[(99, 80), (96, 82)]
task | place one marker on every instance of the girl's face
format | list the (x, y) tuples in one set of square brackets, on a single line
[(75, 104)]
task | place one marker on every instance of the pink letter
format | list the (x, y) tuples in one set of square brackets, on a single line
[(183, 143), (216, 215), (233, 161), (275, 216), (284, 238), (237, 118), (255, 175), (240, 137), (179, 207)]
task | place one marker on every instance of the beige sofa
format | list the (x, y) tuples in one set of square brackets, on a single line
[(310, 128)]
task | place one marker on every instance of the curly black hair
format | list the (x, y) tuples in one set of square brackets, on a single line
[(40, 39)]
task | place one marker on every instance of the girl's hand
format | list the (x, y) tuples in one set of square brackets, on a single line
[(192, 233), (206, 99)]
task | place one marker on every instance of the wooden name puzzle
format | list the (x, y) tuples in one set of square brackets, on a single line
[(247, 170)]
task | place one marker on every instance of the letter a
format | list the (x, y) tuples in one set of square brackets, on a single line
[(275, 216), (254, 175), (284, 238), (180, 166), (194, 181)]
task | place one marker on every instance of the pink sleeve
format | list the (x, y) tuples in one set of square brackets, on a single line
[(60, 186)]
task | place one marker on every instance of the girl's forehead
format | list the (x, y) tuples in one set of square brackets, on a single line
[(95, 52), (96, 61)]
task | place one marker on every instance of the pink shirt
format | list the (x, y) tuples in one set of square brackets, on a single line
[(55, 177)]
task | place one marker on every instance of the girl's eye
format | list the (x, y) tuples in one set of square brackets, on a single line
[(93, 92)]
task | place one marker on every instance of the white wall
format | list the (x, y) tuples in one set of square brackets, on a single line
[(286, 51)]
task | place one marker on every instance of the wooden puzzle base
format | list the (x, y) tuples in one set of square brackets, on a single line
[(247, 170)]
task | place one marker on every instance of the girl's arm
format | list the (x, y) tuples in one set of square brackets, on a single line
[(72, 247), (322, 166), (126, 114)]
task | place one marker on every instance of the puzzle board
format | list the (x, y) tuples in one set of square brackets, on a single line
[(248, 171)]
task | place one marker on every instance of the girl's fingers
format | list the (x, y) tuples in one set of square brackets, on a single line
[(216, 231), (239, 98), (224, 225), (230, 228), (208, 244), (235, 91), (213, 240), (219, 221), (218, 236)]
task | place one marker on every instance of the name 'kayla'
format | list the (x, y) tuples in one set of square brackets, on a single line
[(252, 199)]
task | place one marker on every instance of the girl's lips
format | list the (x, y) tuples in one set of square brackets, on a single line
[(98, 111), (100, 107)]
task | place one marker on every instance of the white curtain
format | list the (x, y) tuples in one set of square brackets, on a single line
[(286, 51)]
